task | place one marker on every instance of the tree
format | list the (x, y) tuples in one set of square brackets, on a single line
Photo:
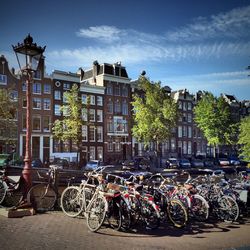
[(70, 127), (212, 116), (8, 124), (244, 138), (155, 113)]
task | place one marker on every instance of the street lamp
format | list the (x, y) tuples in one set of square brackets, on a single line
[(28, 55)]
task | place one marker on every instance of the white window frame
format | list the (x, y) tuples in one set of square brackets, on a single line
[(99, 115)]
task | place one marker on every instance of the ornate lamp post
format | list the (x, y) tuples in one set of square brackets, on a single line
[(28, 56)]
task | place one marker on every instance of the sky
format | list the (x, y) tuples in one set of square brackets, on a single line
[(184, 44)]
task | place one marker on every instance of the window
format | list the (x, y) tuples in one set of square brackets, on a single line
[(56, 146), (184, 147), (46, 104), (189, 147), (125, 90), (24, 121), (189, 106), (189, 132), (124, 107), (117, 107), (24, 102), (173, 144), (46, 123), (37, 74), (185, 106), (3, 79), (92, 133), (179, 131), (46, 88), (99, 101), (99, 134), (117, 146), (66, 146), (14, 95), (189, 117), (65, 97), (110, 126), (66, 86), (184, 117), (84, 99), (99, 115), (120, 125), (37, 103), (57, 110), (84, 133), (110, 146), (24, 86), (110, 107), (92, 99), (37, 88), (109, 90), (36, 123), (184, 131), (92, 153), (57, 95), (179, 105), (100, 153), (92, 115), (84, 114), (66, 110), (117, 90)]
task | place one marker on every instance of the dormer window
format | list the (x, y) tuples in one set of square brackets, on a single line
[(3, 79)]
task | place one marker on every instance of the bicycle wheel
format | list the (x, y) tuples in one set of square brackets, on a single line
[(72, 201), (3, 188), (150, 214), (177, 213), (13, 198), (125, 214), (199, 208), (135, 210), (42, 197), (114, 214), (96, 212), (229, 209)]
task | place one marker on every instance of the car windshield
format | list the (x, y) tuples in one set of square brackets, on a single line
[(93, 162), (184, 161)]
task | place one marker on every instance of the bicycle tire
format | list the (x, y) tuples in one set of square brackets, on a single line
[(135, 210), (42, 197), (13, 198), (72, 201), (3, 191), (96, 213), (229, 209), (114, 215), (150, 214), (177, 213), (199, 208)]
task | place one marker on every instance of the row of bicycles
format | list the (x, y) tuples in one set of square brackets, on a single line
[(125, 203)]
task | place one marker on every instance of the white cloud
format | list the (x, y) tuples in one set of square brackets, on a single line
[(104, 33), (233, 24)]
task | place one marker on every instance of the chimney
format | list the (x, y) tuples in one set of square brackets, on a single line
[(95, 70)]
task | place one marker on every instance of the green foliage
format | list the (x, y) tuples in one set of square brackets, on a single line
[(70, 127), (244, 138), (8, 109), (155, 114), (212, 116)]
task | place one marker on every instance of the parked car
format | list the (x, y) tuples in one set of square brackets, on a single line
[(60, 163), (234, 161), (172, 163), (197, 163), (36, 163), (4, 160), (139, 163), (92, 165), (223, 162), (209, 163), (129, 165), (184, 163)]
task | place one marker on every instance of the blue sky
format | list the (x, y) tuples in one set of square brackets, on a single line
[(197, 45)]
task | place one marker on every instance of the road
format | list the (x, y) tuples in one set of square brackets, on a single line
[(54, 230)]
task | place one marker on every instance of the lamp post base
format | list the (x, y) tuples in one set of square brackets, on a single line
[(26, 174)]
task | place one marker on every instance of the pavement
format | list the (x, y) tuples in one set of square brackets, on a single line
[(54, 230)]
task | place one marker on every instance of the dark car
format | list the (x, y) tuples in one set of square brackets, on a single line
[(36, 163), (209, 163), (197, 163), (129, 165), (184, 163), (93, 165), (60, 163), (172, 163)]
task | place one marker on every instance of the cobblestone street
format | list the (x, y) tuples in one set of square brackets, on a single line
[(56, 231)]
